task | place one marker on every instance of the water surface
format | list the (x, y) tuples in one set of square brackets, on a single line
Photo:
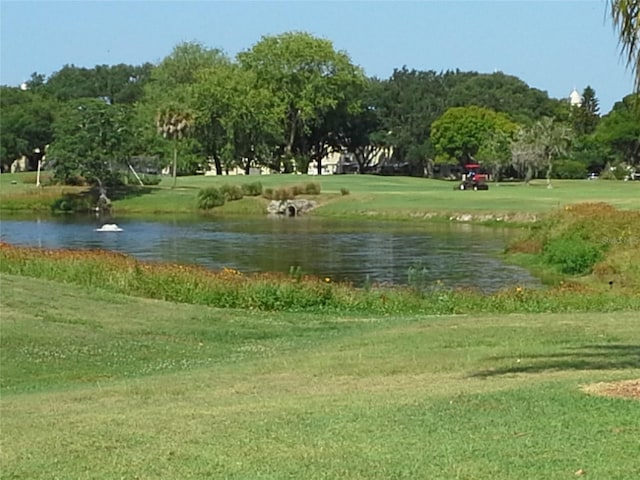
[(356, 251)]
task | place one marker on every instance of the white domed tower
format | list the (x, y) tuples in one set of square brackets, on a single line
[(575, 99)]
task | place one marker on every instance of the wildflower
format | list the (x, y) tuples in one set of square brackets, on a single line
[(519, 289), (327, 279)]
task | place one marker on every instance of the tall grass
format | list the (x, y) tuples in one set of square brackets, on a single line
[(588, 238), (229, 288)]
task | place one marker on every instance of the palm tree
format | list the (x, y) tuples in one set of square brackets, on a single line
[(626, 18), (174, 124)]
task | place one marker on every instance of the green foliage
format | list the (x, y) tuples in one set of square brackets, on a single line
[(252, 189), (147, 179), (292, 191), (572, 254), (70, 203), (116, 84), (210, 197), (616, 171), (307, 78), (312, 188), (460, 132), (92, 140), (582, 238), (283, 194), (26, 125), (231, 289), (231, 192), (502, 93), (569, 169), (620, 130), (585, 117), (344, 191)]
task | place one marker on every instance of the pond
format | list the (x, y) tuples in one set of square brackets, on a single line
[(361, 251)]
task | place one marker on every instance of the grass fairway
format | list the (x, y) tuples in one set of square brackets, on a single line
[(370, 195), (103, 386)]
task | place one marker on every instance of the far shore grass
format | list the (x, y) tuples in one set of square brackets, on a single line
[(96, 384), (368, 196)]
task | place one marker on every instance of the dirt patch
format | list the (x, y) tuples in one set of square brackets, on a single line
[(622, 389)]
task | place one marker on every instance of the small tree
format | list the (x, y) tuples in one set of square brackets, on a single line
[(174, 124)]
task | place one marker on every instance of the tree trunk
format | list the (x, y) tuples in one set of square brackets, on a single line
[(175, 165), (549, 168)]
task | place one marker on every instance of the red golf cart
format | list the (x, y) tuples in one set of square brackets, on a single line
[(473, 179)]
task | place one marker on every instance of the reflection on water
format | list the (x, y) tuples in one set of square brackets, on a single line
[(354, 251)]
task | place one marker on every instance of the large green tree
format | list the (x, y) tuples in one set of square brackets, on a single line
[(620, 130), (92, 141), (171, 89), (307, 77), (540, 145), (361, 131), (501, 93), (112, 83), (26, 125), (242, 117), (586, 116), (460, 132)]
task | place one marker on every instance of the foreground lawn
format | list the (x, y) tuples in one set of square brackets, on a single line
[(368, 195), (105, 386)]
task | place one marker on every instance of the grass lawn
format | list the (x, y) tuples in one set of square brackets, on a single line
[(99, 385), (393, 197)]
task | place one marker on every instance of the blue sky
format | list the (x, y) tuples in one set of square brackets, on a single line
[(551, 45)]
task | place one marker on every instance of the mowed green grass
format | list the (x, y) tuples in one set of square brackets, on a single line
[(103, 386), (369, 195)]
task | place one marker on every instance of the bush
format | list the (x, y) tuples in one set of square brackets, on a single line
[(252, 189), (570, 169), (283, 194), (150, 179), (572, 254), (209, 198), (289, 193), (70, 203), (231, 192), (312, 188), (617, 172), (344, 191)]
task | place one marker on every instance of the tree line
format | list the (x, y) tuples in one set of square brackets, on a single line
[(287, 102)]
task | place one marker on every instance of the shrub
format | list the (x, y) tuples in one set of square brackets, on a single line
[(252, 189), (209, 198), (69, 203), (616, 172), (283, 194), (312, 188), (344, 191), (231, 192), (572, 254), (148, 179), (268, 193), (569, 169)]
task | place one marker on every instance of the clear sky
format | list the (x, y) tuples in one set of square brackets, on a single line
[(552, 45)]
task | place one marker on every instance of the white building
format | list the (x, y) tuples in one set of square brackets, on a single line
[(575, 99)]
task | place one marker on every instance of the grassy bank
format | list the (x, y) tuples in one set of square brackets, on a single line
[(389, 197), (100, 385), (277, 292)]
